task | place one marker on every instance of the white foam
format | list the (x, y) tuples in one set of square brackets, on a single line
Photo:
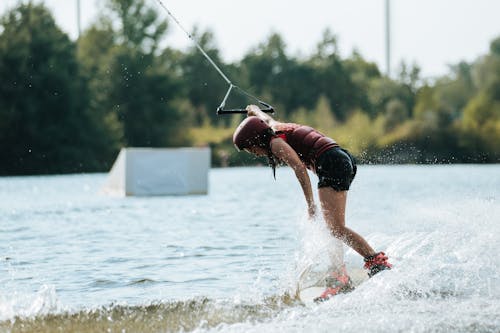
[(42, 302)]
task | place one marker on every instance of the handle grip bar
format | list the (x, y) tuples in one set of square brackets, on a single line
[(221, 110)]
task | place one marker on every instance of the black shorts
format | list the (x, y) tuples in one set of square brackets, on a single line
[(336, 168)]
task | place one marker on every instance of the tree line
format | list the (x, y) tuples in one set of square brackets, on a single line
[(68, 106)]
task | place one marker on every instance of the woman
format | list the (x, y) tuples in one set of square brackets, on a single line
[(301, 148)]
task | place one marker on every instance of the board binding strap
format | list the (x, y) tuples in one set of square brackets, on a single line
[(327, 285)]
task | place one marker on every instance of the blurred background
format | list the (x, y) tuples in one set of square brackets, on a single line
[(393, 82)]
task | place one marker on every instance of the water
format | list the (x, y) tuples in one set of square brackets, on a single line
[(72, 259)]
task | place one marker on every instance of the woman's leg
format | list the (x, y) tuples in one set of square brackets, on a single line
[(333, 204)]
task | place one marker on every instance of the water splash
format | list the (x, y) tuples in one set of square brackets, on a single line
[(443, 246), (41, 303), (175, 316)]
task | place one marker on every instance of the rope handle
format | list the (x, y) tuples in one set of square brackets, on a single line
[(220, 109), (268, 109)]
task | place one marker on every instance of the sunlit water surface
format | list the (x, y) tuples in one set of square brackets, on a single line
[(72, 259)]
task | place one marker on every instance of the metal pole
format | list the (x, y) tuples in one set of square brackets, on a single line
[(388, 37), (78, 18)]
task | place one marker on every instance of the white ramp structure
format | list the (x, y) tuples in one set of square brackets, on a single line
[(159, 171)]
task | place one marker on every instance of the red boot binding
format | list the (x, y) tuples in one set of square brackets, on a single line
[(337, 283), (376, 263)]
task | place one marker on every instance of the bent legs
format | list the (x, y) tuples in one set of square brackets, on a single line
[(333, 204)]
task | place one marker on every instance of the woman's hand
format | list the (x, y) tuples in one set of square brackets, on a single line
[(252, 110), (311, 210)]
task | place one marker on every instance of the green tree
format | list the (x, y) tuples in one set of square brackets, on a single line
[(142, 97), (93, 52), (382, 90), (480, 122), (45, 126), (455, 90), (204, 86), (362, 73), (395, 114), (265, 62), (481, 125), (140, 27), (431, 128), (286, 82), (485, 71), (332, 78), (263, 66), (323, 117)]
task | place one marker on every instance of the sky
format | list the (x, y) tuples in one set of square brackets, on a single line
[(431, 33)]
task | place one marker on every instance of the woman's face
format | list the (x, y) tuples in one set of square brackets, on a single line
[(259, 151)]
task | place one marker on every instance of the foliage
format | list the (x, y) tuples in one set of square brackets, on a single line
[(45, 124), (69, 106), (204, 86), (131, 89)]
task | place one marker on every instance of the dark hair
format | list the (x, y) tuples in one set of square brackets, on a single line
[(273, 162), (255, 132)]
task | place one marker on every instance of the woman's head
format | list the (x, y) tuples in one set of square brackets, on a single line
[(253, 132)]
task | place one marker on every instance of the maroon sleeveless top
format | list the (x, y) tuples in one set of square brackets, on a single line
[(307, 142)]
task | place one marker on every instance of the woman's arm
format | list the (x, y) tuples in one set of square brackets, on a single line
[(284, 152)]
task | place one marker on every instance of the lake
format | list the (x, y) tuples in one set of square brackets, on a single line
[(74, 259)]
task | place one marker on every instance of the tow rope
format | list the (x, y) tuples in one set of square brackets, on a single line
[(221, 109)]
